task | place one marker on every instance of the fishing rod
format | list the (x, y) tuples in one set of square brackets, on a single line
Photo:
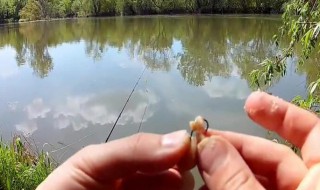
[(125, 105), (79, 140)]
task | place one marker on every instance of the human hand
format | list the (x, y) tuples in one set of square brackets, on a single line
[(142, 161), (234, 161)]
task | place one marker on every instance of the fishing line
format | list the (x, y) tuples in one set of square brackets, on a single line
[(144, 113), (62, 155), (145, 109), (59, 157), (125, 105), (81, 139)]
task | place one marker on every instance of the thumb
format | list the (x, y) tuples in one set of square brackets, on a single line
[(101, 165), (312, 179), (222, 167)]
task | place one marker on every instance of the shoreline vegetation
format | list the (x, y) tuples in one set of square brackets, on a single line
[(21, 165), (24, 21), (276, 16), (31, 10)]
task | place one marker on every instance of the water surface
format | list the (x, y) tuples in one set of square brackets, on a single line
[(65, 82)]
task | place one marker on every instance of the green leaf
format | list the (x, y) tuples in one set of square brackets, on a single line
[(316, 30), (313, 87), (308, 37)]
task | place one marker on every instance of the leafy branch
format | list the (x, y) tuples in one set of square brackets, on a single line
[(312, 101), (301, 23)]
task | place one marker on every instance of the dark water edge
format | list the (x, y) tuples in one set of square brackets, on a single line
[(9, 22)]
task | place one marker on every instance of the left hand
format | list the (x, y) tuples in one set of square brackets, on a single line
[(142, 161)]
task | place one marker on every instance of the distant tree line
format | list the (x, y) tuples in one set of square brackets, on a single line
[(14, 10)]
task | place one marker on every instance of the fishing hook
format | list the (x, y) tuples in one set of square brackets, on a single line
[(207, 126)]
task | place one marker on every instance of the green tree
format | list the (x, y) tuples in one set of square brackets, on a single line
[(82, 8), (9, 9), (2, 10), (96, 7), (31, 11), (301, 22), (64, 8), (203, 5), (44, 9)]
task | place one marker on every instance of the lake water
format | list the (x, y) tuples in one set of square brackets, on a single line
[(64, 83)]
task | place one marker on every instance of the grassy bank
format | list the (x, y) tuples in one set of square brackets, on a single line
[(21, 167)]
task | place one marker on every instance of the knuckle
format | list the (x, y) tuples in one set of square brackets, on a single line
[(137, 138), (238, 180), (136, 141)]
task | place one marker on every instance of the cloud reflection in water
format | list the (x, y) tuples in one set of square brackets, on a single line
[(37, 109), (34, 111), (232, 87), (80, 112), (27, 128)]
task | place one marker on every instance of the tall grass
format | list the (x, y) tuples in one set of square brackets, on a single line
[(21, 167)]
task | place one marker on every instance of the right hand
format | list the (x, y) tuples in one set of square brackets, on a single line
[(235, 161)]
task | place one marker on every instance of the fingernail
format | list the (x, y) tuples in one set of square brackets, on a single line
[(212, 154), (253, 100), (174, 139)]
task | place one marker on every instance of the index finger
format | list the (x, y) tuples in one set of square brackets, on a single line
[(297, 125)]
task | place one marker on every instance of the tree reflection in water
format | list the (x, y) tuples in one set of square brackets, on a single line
[(211, 46)]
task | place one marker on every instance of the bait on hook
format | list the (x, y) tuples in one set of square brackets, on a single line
[(199, 125)]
